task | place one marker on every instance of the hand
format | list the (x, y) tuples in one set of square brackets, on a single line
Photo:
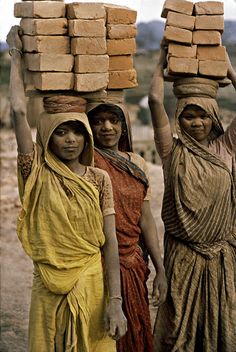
[(115, 321), (159, 288), (13, 37)]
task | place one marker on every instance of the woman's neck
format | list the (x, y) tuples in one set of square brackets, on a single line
[(76, 167)]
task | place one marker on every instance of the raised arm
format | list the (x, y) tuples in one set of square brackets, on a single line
[(156, 94), (17, 93), (231, 72)]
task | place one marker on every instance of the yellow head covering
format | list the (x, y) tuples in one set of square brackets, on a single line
[(49, 122), (60, 224)]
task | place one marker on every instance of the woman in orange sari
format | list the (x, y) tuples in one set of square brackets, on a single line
[(128, 173)]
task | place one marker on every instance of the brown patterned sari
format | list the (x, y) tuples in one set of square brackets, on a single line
[(199, 213)]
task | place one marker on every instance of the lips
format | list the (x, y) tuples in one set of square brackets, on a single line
[(70, 148), (107, 135)]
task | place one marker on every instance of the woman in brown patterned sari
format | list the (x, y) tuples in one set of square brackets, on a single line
[(199, 214), (128, 173)]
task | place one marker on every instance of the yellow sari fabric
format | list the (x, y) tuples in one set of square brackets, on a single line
[(61, 229)]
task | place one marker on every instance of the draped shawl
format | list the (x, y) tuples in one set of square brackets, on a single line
[(62, 234), (199, 214), (129, 189), (201, 186)]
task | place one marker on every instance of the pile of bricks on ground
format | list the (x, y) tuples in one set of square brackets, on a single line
[(193, 37), (82, 47)]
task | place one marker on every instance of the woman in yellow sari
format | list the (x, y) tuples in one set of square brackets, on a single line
[(65, 225)]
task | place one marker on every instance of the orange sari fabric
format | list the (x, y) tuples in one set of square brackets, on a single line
[(129, 193)]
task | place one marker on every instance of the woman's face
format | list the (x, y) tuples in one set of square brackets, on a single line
[(107, 129), (67, 141), (197, 123)]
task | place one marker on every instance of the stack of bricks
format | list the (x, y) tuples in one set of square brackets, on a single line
[(82, 47), (46, 44), (193, 37), (121, 45)]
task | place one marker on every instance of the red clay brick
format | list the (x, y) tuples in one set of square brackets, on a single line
[(209, 8), (207, 22), (180, 20), (90, 82), (182, 66), (88, 46), (40, 9), (181, 6), (217, 52), (91, 63), (177, 50), (121, 31), (87, 28), (121, 46), (86, 11), (49, 62), (120, 14), (120, 62), (122, 79), (201, 37), (54, 26), (179, 35), (46, 44), (53, 80), (213, 68)]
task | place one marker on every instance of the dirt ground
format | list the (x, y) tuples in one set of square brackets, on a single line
[(16, 267)]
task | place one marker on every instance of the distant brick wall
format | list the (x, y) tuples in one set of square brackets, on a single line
[(147, 149)]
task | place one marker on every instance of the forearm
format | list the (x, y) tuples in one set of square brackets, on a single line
[(231, 71), (17, 93), (156, 94), (232, 77), (115, 321), (149, 231), (112, 265), (156, 91), (111, 257), (152, 244)]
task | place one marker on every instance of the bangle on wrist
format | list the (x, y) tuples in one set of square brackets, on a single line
[(116, 297), (11, 50)]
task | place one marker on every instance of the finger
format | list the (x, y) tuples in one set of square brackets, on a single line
[(156, 297), (162, 297), (112, 330)]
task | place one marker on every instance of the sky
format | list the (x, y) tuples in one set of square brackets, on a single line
[(147, 10)]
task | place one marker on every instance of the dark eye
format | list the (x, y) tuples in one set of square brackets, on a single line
[(187, 117), (205, 117), (115, 121), (59, 132), (96, 122)]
